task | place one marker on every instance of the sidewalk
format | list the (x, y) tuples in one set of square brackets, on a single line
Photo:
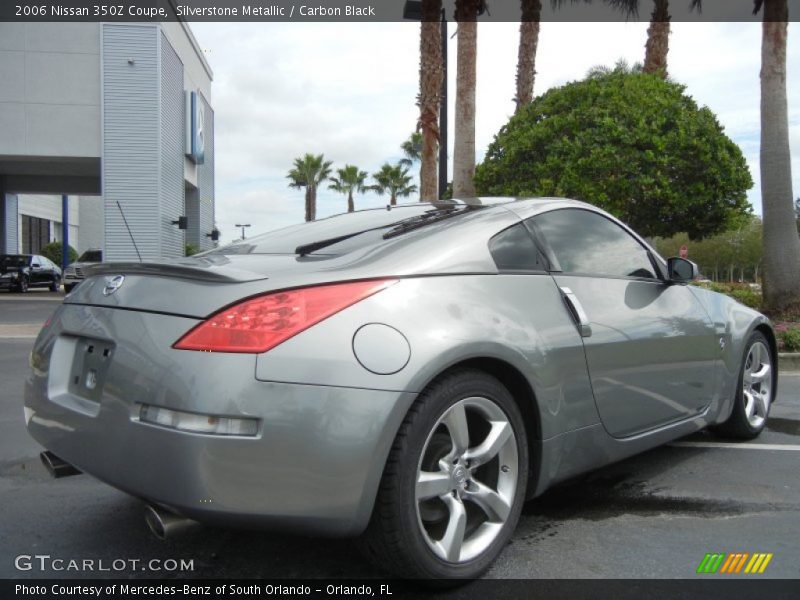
[(789, 362)]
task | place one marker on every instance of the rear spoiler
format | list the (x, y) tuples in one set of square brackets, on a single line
[(217, 269)]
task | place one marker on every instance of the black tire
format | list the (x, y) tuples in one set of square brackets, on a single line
[(55, 285), (738, 425), (22, 286), (394, 539), (69, 288)]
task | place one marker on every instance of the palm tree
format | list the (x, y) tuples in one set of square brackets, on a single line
[(412, 149), (464, 145), (309, 172), (781, 244), (657, 46), (528, 43), (431, 73), (349, 180), (395, 180)]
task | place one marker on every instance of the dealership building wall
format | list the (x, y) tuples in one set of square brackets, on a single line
[(98, 112)]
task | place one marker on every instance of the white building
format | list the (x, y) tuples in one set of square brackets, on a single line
[(117, 117)]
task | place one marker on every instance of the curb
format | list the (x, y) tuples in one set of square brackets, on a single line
[(789, 362)]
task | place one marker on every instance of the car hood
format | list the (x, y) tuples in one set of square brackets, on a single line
[(81, 265)]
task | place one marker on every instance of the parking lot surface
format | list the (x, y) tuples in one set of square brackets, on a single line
[(652, 516)]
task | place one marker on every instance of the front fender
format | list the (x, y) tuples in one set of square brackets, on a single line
[(734, 323)]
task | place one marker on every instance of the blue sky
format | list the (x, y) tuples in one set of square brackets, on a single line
[(349, 91)]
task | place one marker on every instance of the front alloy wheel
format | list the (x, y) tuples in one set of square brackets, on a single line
[(757, 384), (454, 483), (755, 391)]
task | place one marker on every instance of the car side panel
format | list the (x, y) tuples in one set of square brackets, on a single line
[(582, 450), (650, 351), (519, 319)]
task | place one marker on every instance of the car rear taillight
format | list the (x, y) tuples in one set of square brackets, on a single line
[(261, 323)]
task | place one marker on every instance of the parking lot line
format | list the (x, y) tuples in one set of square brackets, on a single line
[(19, 330), (790, 447), (30, 298)]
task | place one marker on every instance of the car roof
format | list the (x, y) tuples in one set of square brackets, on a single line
[(519, 204)]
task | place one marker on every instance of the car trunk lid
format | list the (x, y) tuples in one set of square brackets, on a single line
[(199, 287)]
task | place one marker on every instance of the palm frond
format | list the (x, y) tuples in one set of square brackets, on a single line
[(309, 170), (628, 8)]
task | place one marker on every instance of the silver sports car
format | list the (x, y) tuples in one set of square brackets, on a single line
[(409, 375)]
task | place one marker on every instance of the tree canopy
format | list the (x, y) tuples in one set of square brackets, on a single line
[(412, 149), (731, 255), (631, 143)]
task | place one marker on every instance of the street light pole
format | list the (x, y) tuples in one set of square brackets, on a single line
[(243, 226)]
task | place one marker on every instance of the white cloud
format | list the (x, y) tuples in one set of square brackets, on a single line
[(348, 90)]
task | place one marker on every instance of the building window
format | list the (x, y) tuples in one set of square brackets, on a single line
[(35, 234)]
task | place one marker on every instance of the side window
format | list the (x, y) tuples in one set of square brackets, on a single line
[(588, 243), (513, 250)]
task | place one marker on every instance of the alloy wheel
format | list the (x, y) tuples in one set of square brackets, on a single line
[(757, 384), (465, 488)]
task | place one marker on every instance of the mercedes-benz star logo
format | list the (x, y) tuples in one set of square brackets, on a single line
[(113, 284)]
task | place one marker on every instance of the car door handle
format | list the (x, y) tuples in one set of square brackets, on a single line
[(576, 309)]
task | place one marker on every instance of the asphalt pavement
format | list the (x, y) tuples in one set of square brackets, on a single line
[(652, 516)]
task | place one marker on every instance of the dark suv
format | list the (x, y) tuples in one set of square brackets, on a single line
[(18, 272)]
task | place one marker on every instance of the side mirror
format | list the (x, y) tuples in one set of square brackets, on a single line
[(681, 270)]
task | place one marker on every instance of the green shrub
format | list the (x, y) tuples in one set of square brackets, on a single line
[(747, 297), (741, 292), (632, 143), (53, 252), (191, 249), (790, 338)]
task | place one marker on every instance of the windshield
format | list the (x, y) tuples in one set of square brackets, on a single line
[(13, 261), (352, 230), (91, 256)]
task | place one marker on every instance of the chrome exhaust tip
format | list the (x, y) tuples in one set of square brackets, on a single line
[(165, 523), (57, 467)]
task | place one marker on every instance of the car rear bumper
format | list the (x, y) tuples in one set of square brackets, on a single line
[(314, 465)]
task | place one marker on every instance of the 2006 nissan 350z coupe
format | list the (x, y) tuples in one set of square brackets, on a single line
[(409, 375)]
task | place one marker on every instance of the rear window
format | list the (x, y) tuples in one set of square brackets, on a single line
[(286, 241), (14, 260), (513, 249)]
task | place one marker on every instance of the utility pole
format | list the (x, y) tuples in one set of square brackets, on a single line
[(243, 226)]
